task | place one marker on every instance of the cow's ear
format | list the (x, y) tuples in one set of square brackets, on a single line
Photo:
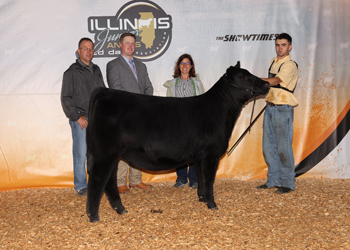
[(238, 65)]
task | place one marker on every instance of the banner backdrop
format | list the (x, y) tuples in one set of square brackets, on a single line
[(39, 39)]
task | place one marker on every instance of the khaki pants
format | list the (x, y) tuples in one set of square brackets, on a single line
[(134, 174)]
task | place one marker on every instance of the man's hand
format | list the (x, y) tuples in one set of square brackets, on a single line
[(273, 81), (82, 122)]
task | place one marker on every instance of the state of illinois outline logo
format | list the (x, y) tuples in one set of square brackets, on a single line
[(150, 24)]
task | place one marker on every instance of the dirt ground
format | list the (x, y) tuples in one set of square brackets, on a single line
[(315, 216)]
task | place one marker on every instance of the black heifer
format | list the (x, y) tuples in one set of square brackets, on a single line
[(160, 133)]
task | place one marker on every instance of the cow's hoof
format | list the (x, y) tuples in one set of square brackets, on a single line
[(122, 212), (212, 205), (94, 218), (202, 199)]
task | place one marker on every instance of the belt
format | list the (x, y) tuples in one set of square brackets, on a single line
[(272, 104)]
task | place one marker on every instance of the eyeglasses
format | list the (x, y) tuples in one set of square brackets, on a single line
[(87, 49), (187, 63)]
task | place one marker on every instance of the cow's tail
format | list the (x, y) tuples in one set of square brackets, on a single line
[(89, 160), (90, 128), (93, 98)]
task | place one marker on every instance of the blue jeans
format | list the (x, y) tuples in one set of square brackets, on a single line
[(79, 155), (186, 172), (277, 146)]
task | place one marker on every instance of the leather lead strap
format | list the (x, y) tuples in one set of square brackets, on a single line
[(248, 129)]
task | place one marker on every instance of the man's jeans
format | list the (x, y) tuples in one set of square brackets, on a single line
[(186, 172), (277, 146), (79, 155)]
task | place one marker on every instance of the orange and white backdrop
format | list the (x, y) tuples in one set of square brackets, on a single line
[(38, 41)]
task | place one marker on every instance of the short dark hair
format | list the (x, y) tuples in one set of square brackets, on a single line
[(284, 36), (84, 39), (177, 71), (125, 35)]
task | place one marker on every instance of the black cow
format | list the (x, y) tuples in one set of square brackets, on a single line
[(161, 133)]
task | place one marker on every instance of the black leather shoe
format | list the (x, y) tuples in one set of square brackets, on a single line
[(82, 192), (283, 190), (262, 187)]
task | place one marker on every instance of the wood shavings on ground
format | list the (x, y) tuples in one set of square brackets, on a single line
[(315, 216)]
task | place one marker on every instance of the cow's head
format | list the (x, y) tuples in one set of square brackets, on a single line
[(243, 79)]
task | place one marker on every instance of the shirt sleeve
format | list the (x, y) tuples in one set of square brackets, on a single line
[(113, 76), (148, 85), (201, 87), (287, 73), (67, 92)]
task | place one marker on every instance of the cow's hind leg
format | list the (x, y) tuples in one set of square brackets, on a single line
[(113, 193), (99, 175), (207, 173)]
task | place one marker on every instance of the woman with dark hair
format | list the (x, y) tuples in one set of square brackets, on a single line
[(185, 84)]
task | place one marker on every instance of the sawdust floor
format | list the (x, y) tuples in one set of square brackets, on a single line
[(315, 216)]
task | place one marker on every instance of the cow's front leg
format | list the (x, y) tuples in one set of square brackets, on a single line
[(205, 189), (113, 194), (200, 177)]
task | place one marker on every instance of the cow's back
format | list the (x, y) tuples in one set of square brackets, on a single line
[(161, 130)]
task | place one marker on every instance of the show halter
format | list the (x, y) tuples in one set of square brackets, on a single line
[(251, 117)]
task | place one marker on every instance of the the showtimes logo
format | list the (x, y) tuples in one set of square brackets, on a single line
[(247, 37)]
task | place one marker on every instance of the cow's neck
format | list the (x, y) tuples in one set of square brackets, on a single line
[(221, 91), (228, 106)]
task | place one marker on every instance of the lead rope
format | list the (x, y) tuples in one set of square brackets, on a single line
[(251, 117), (248, 129)]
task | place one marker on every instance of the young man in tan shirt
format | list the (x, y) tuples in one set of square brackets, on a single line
[(278, 118)]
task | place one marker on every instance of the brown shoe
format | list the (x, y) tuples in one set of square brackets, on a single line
[(123, 189), (140, 185)]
